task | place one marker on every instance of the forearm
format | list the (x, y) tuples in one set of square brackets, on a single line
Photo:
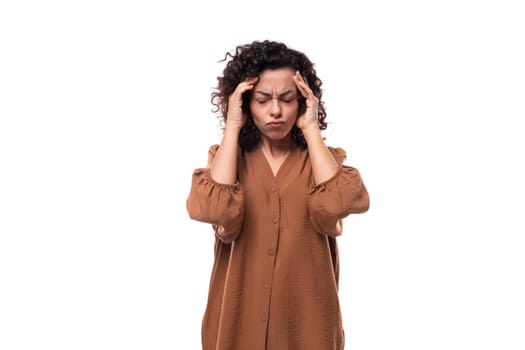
[(223, 168), (324, 166)]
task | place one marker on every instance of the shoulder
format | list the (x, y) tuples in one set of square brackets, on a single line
[(211, 154), (338, 153), (212, 150)]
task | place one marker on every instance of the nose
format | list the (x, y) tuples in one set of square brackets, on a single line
[(275, 109)]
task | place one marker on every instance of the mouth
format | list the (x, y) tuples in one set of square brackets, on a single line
[(275, 124)]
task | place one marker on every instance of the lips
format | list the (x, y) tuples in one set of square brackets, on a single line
[(275, 124)]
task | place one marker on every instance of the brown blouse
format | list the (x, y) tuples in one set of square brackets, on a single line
[(275, 275)]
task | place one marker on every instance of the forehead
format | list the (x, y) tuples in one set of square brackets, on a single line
[(276, 79)]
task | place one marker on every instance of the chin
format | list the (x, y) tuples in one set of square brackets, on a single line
[(276, 136)]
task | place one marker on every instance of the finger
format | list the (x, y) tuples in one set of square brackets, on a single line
[(303, 83), (300, 77), (248, 83), (243, 87), (301, 86)]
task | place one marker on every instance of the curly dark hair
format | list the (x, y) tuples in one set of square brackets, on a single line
[(249, 61)]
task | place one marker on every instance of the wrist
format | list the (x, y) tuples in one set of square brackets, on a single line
[(232, 127), (311, 130)]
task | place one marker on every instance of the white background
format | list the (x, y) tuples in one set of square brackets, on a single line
[(105, 112)]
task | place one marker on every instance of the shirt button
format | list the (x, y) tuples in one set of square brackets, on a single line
[(274, 220), (274, 189), (263, 318), (266, 285), (271, 252)]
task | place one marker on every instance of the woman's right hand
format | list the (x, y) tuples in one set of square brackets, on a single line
[(235, 117)]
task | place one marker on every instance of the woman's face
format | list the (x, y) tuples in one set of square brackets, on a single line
[(274, 104)]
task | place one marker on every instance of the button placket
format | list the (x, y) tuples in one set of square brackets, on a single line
[(271, 248)]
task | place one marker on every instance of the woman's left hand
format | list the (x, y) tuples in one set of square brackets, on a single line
[(309, 118)]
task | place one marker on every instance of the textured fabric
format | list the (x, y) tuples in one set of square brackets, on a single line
[(275, 276)]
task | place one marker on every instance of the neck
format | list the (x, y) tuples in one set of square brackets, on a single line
[(277, 148)]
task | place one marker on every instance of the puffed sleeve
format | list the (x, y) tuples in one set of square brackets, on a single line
[(334, 199), (221, 205)]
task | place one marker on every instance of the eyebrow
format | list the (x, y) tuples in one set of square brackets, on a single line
[(266, 94)]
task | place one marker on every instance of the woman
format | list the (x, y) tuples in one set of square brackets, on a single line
[(275, 195)]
